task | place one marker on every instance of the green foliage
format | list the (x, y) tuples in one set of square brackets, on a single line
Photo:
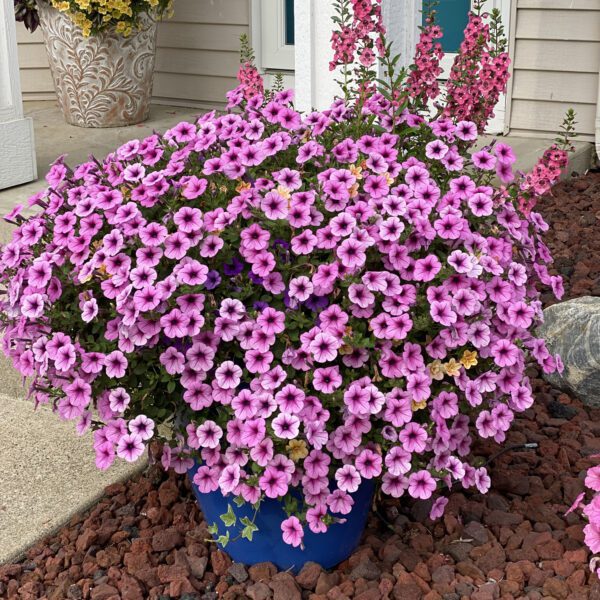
[(213, 529), (249, 528), (246, 50), (229, 519), (567, 132), (497, 34)]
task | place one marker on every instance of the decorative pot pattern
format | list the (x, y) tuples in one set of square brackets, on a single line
[(104, 80)]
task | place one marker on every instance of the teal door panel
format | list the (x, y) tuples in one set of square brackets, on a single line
[(289, 22), (452, 17)]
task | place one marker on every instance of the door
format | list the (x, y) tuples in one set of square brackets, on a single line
[(452, 16), (277, 35)]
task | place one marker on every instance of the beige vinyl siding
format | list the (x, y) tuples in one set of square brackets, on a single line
[(556, 60), (197, 57), (36, 81)]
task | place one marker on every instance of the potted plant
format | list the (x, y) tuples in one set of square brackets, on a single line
[(101, 56), (322, 308)]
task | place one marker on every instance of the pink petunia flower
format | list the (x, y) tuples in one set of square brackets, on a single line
[(292, 531), (421, 485)]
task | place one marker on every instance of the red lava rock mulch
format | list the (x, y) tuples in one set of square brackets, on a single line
[(147, 540), (573, 213)]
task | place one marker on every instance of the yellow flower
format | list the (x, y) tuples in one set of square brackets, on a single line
[(242, 185), (354, 190), (388, 178), (284, 192), (123, 28), (452, 368), (356, 171), (418, 405), (436, 369), (297, 449), (62, 6), (469, 359)]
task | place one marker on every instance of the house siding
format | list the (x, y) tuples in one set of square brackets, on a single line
[(556, 59), (196, 62)]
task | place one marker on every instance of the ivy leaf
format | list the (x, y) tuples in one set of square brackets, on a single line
[(249, 528), (223, 540), (229, 518), (239, 501), (213, 529)]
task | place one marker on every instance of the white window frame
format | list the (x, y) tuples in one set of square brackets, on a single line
[(275, 54)]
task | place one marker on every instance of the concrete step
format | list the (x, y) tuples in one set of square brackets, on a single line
[(529, 149)]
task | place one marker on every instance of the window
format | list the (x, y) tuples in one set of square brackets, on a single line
[(277, 34)]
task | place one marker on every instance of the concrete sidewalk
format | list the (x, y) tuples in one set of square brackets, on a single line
[(47, 473)]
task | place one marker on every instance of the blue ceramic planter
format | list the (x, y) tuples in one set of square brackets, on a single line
[(327, 549)]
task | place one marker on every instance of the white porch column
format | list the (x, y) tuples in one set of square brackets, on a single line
[(315, 83), (17, 150), (402, 20)]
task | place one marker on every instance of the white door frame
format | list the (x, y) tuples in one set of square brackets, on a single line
[(17, 151)]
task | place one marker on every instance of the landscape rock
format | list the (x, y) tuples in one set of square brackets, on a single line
[(262, 571), (572, 330), (259, 591), (285, 587), (238, 572), (309, 575), (166, 539)]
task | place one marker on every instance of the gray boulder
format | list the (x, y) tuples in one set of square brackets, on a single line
[(572, 329)]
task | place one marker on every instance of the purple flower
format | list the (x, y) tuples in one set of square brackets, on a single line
[(213, 279), (316, 303), (353, 266), (235, 267)]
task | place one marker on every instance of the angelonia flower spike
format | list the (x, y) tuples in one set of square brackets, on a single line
[(306, 300)]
